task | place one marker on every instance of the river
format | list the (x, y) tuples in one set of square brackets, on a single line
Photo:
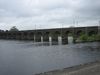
[(27, 58)]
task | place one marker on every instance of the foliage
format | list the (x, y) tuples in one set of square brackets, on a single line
[(91, 38), (98, 37), (13, 29), (84, 37)]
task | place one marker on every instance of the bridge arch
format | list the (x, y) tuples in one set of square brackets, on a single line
[(38, 36), (39, 33), (47, 33), (79, 33), (57, 33), (68, 33)]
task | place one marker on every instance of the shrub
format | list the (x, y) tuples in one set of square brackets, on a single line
[(98, 37), (92, 38), (83, 37)]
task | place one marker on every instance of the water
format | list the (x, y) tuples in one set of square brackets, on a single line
[(26, 58)]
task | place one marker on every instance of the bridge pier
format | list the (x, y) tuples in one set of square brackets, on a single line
[(46, 36), (38, 37), (23, 36), (54, 40), (64, 36), (31, 36), (55, 37)]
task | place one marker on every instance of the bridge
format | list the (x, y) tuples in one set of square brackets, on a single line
[(46, 35)]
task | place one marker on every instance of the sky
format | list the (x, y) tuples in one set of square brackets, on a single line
[(36, 14)]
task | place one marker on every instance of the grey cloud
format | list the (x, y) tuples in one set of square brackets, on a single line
[(26, 13)]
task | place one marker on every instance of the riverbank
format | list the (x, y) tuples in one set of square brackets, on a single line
[(92, 68)]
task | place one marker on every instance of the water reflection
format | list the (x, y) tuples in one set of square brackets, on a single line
[(27, 58)]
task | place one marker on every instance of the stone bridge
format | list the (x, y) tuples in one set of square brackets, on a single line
[(47, 35)]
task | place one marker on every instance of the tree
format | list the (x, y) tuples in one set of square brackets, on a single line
[(13, 29)]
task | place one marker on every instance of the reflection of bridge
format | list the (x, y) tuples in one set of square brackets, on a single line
[(45, 35)]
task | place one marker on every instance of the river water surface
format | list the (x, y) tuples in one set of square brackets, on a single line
[(25, 58)]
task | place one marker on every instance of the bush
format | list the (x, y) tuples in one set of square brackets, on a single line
[(83, 37), (92, 38), (98, 37)]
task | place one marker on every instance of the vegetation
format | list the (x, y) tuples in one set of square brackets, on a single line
[(13, 29), (85, 38), (98, 37)]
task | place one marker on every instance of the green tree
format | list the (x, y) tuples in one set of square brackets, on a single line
[(83, 37), (13, 29)]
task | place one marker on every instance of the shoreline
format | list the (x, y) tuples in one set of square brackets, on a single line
[(82, 69)]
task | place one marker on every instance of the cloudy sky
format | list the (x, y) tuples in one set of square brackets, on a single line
[(28, 14)]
